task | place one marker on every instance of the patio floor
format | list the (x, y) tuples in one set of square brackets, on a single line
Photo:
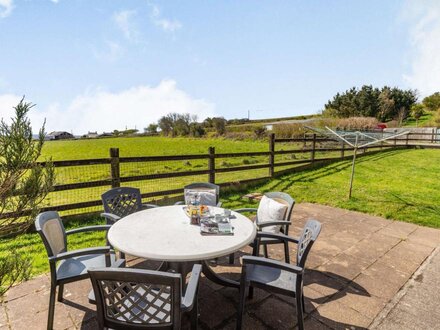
[(356, 267)]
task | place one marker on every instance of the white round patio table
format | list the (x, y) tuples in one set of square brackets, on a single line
[(165, 234)]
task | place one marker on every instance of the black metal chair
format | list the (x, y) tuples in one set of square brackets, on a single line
[(284, 223), (143, 299), (276, 276), (68, 266), (120, 202), (202, 187)]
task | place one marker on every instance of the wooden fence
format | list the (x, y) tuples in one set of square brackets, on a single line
[(311, 148)]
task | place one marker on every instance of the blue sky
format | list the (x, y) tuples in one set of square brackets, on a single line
[(104, 65)]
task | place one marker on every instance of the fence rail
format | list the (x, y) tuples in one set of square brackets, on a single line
[(93, 176)]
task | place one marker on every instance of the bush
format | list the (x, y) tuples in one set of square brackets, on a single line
[(239, 136), (286, 131), (349, 124), (14, 268), (260, 132)]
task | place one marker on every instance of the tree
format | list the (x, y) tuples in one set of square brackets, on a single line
[(432, 102), (151, 129), (384, 104), (24, 184), (417, 111), (196, 130), (166, 125), (219, 124)]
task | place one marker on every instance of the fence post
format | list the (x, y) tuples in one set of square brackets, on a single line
[(312, 154), (115, 168), (211, 164), (342, 149), (272, 155), (432, 137), (407, 136), (395, 141)]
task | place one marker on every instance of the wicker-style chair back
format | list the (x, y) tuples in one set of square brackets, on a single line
[(135, 298), (201, 187), (122, 201), (51, 229), (308, 236)]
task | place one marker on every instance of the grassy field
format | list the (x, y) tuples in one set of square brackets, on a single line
[(401, 185), (144, 146), (150, 146), (423, 121)]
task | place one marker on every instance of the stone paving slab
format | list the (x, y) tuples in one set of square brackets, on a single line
[(356, 267), (417, 306)]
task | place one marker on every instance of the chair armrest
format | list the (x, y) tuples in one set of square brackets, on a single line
[(89, 228), (149, 206), (80, 252), (273, 223), (120, 263), (191, 289), (245, 210), (110, 217), (251, 260), (179, 203), (280, 237)]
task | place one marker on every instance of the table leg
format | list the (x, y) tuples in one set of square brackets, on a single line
[(212, 276), (182, 268)]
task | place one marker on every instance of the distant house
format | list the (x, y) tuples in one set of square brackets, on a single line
[(105, 134), (59, 135), (92, 135)]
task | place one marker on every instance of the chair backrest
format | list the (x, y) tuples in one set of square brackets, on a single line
[(308, 236), (51, 229), (122, 201), (137, 298), (285, 199), (203, 187)]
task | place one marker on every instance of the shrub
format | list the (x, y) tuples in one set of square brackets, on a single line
[(288, 130), (260, 132), (14, 268), (239, 135), (24, 183), (349, 124)]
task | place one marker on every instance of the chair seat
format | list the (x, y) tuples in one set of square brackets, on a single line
[(275, 279), (78, 266)]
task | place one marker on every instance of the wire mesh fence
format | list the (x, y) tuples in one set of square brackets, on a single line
[(80, 183)]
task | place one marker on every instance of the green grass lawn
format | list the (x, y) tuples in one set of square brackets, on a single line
[(145, 146), (401, 185), (423, 121), (149, 146)]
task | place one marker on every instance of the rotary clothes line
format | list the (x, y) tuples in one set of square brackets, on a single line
[(356, 140)]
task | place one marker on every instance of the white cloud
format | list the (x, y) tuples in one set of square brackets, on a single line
[(423, 19), (6, 7), (7, 102), (111, 53), (165, 24), (124, 21), (101, 110), (55, 1)]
